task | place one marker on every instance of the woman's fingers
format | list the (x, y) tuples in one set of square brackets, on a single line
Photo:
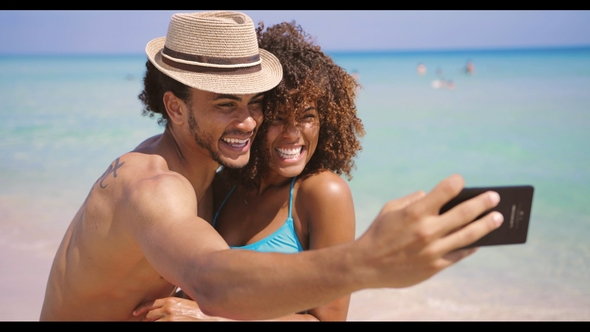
[(144, 307)]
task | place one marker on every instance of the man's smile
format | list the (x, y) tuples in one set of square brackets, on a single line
[(236, 142)]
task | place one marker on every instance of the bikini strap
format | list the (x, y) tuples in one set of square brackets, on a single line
[(291, 196), (222, 203)]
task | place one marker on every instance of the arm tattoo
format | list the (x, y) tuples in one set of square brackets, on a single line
[(111, 169)]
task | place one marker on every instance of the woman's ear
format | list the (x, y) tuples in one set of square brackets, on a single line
[(175, 107)]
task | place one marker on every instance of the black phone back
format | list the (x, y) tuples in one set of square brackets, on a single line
[(515, 205)]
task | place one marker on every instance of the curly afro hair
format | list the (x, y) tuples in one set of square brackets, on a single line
[(308, 75)]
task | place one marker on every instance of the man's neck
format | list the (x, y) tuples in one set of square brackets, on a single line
[(188, 159)]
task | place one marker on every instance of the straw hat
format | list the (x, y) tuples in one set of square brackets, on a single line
[(216, 52)]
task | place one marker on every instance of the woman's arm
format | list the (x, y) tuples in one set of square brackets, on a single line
[(324, 205)]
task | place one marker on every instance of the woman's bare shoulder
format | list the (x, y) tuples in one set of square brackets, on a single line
[(324, 185), (324, 205)]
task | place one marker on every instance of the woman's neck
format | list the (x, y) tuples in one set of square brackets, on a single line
[(271, 180)]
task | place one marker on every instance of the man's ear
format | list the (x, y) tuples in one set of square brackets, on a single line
[(175, 107)]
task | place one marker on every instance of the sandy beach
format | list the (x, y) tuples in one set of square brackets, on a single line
[(438, 299)]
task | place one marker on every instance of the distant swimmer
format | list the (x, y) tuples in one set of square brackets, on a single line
[(421, 69), (442, 84), (469, 67), (439, 71), (438, 84)]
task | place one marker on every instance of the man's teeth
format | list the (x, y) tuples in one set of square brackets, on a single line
[(289, 153), (236, 142)]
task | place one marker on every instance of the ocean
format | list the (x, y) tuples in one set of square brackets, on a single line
[(523, 117)]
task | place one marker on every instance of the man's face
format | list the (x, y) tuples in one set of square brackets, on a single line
[(225, 125)]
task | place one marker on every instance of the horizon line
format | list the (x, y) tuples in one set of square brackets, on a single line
[(342, 52)]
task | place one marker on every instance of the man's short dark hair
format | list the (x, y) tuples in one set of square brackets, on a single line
[(155, 84)]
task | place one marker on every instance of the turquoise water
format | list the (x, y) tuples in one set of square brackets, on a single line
[(522, 118)]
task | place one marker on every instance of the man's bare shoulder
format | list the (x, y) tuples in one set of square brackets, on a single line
[(134, 168), (136, 182), (145, 176)]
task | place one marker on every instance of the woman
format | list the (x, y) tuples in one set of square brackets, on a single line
[(290, 197)]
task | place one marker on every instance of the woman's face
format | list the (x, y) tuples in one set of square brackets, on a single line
[(292, 138)]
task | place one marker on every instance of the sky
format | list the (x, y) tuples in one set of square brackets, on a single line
[(127, 32)]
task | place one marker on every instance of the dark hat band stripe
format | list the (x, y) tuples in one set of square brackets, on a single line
[(212, 60), (212, 70)]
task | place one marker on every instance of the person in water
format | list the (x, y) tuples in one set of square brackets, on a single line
[(290, 197)]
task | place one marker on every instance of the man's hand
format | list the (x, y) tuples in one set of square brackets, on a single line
[(172, 309), (409, 241)]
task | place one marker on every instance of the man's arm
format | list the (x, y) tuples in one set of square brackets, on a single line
[(401, 248)]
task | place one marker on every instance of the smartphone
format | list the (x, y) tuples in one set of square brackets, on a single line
[(515, 205)]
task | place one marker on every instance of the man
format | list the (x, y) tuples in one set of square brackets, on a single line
[(142, 230)]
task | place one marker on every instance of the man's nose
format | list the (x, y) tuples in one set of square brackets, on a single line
[(246, 119)]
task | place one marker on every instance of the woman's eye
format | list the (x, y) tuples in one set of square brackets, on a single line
[(308, 118)]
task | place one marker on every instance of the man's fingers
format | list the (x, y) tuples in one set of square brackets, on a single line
[(457, 255), (401, 203), (472, 232), (441, 194), (467, 211)]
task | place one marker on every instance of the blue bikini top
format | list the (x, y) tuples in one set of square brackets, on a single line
[(283, 240)]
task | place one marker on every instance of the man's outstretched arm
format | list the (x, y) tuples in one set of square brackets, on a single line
[(407, 243)]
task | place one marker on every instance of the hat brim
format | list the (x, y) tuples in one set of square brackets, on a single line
[(267, 78)]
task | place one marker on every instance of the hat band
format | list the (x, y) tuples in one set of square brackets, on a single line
[(216, 70), (249, 60), (252, 61)]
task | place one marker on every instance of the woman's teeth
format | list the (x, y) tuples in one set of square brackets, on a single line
[(289, 153)]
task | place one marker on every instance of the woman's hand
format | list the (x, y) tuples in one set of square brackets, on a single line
[(173, 309)]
